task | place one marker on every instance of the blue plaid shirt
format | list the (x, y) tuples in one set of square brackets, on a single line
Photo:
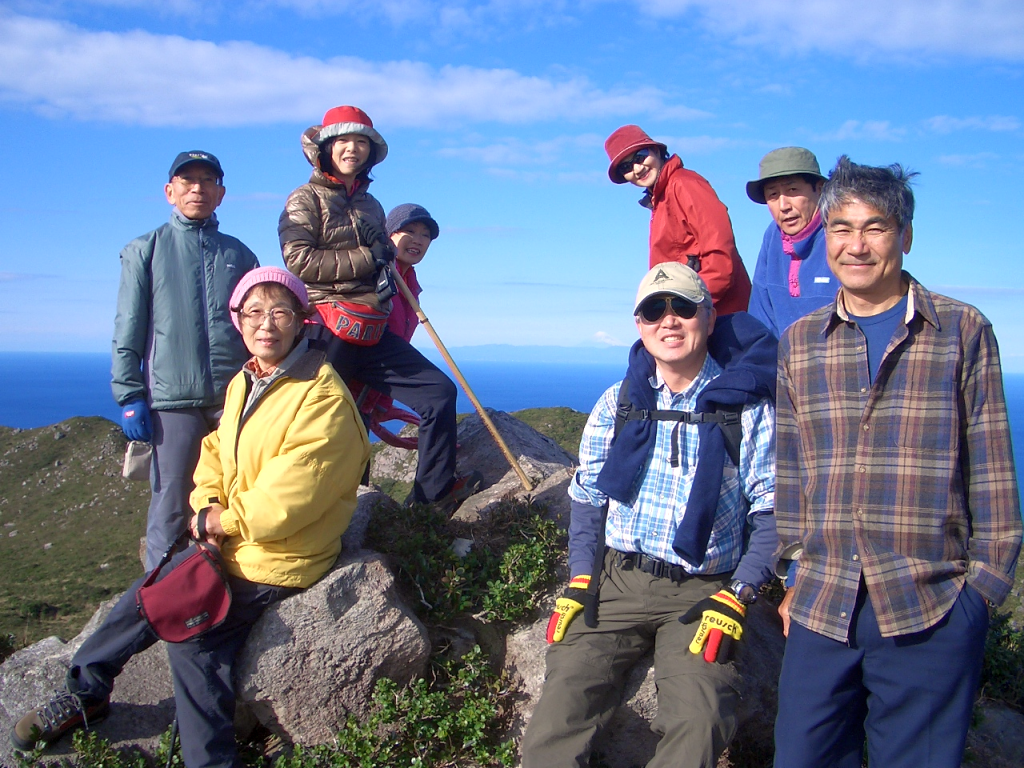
[(649, 524)]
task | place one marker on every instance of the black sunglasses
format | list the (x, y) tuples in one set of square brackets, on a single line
[(652, 310), (637, 157)]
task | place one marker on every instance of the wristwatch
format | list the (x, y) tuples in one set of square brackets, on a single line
[(744, 592)]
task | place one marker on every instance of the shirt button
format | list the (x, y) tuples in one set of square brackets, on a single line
[(862, 469), (856, 558), (863, 390), (860, 512), (842, 615), (866, 427)]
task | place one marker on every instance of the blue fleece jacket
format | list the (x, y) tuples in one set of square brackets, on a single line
[(770, 300)]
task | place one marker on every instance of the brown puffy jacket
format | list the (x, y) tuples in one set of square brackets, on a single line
[(318, 235)]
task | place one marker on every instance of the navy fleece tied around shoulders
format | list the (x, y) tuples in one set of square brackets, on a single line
[(748, 354)]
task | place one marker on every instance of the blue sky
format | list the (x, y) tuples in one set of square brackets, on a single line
[(496, 114)]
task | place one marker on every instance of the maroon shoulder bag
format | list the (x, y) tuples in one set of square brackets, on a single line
[(192, 599)]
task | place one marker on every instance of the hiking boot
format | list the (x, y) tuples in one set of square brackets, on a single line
[(64, 713), (463, 487)]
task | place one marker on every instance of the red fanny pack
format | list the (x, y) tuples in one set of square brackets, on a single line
[(192, 599), (355, 323)]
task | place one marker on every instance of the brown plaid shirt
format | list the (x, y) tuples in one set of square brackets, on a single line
[(906, 481)]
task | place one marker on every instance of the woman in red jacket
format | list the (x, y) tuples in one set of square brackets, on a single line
[(689, 224)]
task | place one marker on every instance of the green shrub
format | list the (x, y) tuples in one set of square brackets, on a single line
[(8, 645), (447, 722), (1002, 671), (511, 562)]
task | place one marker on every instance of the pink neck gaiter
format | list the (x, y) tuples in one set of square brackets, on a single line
[(788, 247)]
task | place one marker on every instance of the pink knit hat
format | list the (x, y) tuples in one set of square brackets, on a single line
[(265, 275), (624, 142), (341, 120)]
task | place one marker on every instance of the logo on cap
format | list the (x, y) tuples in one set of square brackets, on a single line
[(660, 277)]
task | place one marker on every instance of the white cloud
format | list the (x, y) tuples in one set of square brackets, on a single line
[(518, 152), (141, 78), (12, 277), (865, 130), (947, 124), (606, 338), (695, 145), (978, 160), (983, 28)]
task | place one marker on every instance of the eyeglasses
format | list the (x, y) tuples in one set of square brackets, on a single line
[(637, 157), (652, 310), (203, 181), (281, 317)]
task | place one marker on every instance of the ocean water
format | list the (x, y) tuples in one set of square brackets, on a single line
[(40, 389)]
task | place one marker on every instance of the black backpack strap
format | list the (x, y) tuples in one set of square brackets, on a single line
[(623, 408), (728, 418), (732, 431)]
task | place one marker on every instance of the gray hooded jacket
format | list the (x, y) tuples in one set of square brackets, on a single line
[(174, 343)]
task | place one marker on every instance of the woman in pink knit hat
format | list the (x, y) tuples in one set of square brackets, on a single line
[(333, 237), (689, 224), (275, 489)]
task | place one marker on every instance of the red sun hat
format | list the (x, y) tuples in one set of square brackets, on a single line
[(624, 142), (345, 119)]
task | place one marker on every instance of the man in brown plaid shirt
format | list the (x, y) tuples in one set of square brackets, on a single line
[(896, 498)]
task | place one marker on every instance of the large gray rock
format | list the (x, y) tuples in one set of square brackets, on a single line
[(997, 738), (548, 467), (315, 658), (310, 660), (143, 699), (628, 741)]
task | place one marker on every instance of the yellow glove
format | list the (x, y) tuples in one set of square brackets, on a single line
[(567, 606), (721, 623)]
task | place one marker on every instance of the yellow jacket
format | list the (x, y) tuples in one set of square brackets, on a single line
[(286, 475)]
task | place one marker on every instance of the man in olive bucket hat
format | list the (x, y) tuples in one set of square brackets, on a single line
[(792, 277)]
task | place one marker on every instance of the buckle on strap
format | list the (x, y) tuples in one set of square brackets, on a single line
[(659, 569)]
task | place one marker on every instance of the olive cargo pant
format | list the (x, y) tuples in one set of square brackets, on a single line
[(586, 672)]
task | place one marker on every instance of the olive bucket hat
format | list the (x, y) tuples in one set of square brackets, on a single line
[(787, 161)]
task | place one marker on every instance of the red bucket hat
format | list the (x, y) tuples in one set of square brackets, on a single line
[(624, 142), (341, 120)]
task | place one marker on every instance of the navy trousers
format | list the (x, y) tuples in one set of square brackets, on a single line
[(394, 367), (911, 697), (177, 437), (204, 693)]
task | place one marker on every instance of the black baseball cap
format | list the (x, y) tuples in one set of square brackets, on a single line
[(195, 156)]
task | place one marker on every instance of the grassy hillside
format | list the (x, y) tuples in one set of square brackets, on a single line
[(69, 526)]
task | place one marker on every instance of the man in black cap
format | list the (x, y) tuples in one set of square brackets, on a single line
[(175, 348), (792, 277)]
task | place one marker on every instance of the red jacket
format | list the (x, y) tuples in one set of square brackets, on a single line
[(687, 218), (402, 320)]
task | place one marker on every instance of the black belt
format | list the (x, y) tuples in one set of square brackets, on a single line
[(659, 569)]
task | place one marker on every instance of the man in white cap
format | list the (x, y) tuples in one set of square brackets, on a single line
[(174, 348), (672, 531), (792, 277)]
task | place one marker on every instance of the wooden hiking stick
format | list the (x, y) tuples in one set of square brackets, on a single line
[(400, 282)]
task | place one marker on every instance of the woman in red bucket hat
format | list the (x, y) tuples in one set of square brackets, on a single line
[(333, 237), (689, 224)]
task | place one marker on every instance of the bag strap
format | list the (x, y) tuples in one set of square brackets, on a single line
[(728, 418), (166, 558)]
